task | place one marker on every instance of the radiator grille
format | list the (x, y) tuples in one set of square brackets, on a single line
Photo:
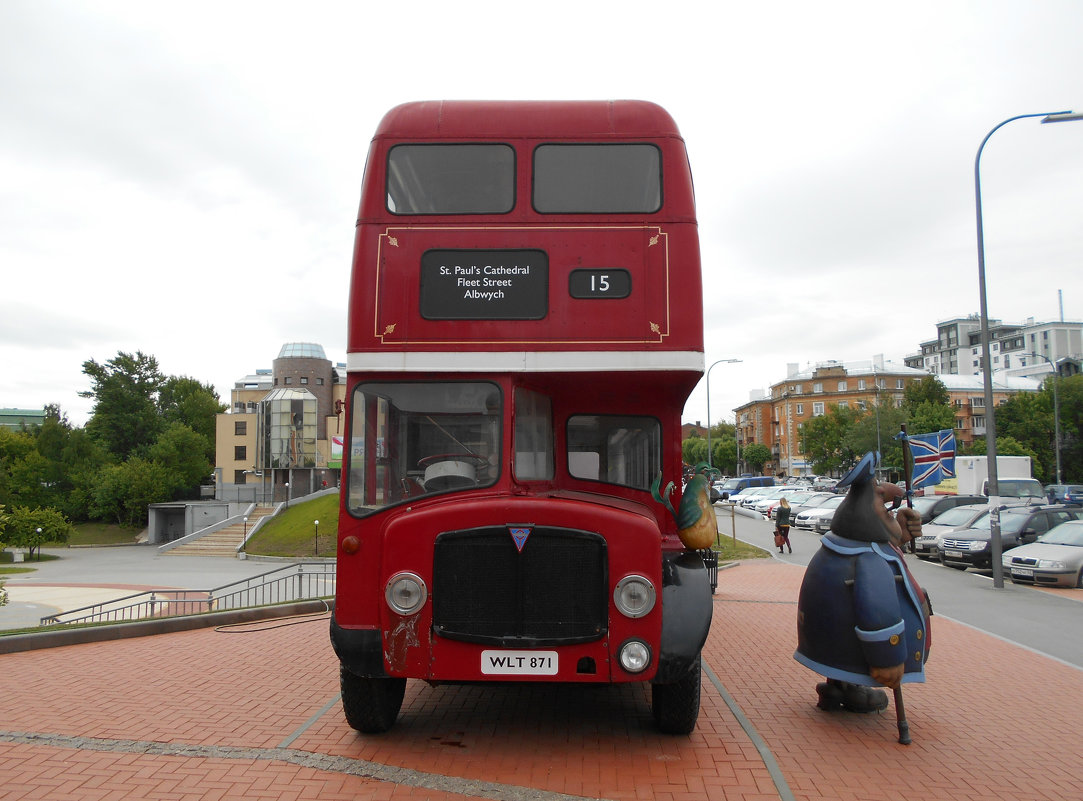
[(554, 591)]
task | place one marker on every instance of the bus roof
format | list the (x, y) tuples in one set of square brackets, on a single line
[(471, 119)]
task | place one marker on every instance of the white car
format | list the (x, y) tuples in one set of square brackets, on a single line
[(760, 502), (809, 517), (769, 506), (750, 495)]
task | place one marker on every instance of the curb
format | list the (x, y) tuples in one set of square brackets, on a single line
[(145, 628)]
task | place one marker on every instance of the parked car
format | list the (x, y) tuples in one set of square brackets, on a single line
[(1054, 493), (1023, 490), (768, 505), (969, 547), (929, 506), (745, 495), (750, 496), (808, 518), (1054, 559), (823, 484), (732, 486), (1073, 495), (954, 519), (804, 501)]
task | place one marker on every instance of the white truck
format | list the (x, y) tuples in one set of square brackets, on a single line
[(972, 474)]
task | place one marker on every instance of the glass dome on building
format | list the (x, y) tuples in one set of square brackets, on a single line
[(302, 350)]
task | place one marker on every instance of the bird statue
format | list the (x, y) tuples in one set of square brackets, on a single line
[(696, 523)]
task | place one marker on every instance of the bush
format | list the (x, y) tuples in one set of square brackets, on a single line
[(30, 528)]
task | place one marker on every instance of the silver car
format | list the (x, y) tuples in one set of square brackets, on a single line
[(954, 519), (808, 518), (1054, 559)]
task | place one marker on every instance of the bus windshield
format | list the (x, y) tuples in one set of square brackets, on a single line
[(418, 438)]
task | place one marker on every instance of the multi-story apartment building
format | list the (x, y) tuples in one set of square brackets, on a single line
[(775, 418), (1027, 349), (282, 435), (967, 394)]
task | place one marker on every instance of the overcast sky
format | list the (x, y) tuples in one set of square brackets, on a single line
[(182, 178)]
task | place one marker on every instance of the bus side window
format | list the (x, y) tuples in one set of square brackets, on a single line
[(533, 439), (615, 449)]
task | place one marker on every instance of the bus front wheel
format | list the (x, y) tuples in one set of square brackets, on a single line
[(371, 705), (676, 706)]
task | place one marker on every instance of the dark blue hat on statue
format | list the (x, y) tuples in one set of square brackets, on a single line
[(856, 517)]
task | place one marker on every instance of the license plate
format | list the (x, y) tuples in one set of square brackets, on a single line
[(956, 554), (519, 663), (1023, 571)]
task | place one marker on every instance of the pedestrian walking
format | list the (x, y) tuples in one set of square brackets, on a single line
[(782, 525)]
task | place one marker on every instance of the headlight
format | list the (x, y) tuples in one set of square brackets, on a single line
[(978, 545), (406, 593), (1051, 564), (634, 596), (635, 656)]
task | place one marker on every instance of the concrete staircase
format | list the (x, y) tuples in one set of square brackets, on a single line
[(224, 541)]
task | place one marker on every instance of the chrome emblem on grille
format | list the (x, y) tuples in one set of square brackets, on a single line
[(520, 535)]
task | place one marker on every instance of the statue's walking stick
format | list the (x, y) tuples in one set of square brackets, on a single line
[(900, 716)]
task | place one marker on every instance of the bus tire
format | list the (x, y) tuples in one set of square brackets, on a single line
[(676, 706), (371, 705)]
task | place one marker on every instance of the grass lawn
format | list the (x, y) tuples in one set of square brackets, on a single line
[(101, 534), (729, 552), (292, 531)]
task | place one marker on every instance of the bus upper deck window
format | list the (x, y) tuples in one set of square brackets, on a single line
[(597, 179), (451, 179)]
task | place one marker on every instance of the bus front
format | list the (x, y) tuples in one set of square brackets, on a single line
[(525, 327)]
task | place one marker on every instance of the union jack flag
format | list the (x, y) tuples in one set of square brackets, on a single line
[(933, 456)]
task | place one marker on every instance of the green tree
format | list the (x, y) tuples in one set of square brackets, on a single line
[(1027, 418), (183, 453), (929, 389), (29, 528), (824, 439), (15, 448), (694, 449), (1009, 446), (124, 491), (928, 416), (875, 430), (1070, 402), (756, 455), (125, 418), (724, 454), (187, 401)]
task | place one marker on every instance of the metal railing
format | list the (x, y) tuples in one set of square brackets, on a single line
[(297, 582)]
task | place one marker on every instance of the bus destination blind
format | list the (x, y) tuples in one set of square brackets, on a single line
[(484, 285)]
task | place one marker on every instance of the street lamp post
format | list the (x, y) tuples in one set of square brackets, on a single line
[(1056, 409), (987, 375), (720, 361), (316, 523)]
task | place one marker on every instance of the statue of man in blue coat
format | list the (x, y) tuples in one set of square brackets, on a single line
[(862, 619)]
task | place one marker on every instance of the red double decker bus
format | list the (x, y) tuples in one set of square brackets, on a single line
[(525, 325)]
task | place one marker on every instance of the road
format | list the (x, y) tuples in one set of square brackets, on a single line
[(1045, 620)]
